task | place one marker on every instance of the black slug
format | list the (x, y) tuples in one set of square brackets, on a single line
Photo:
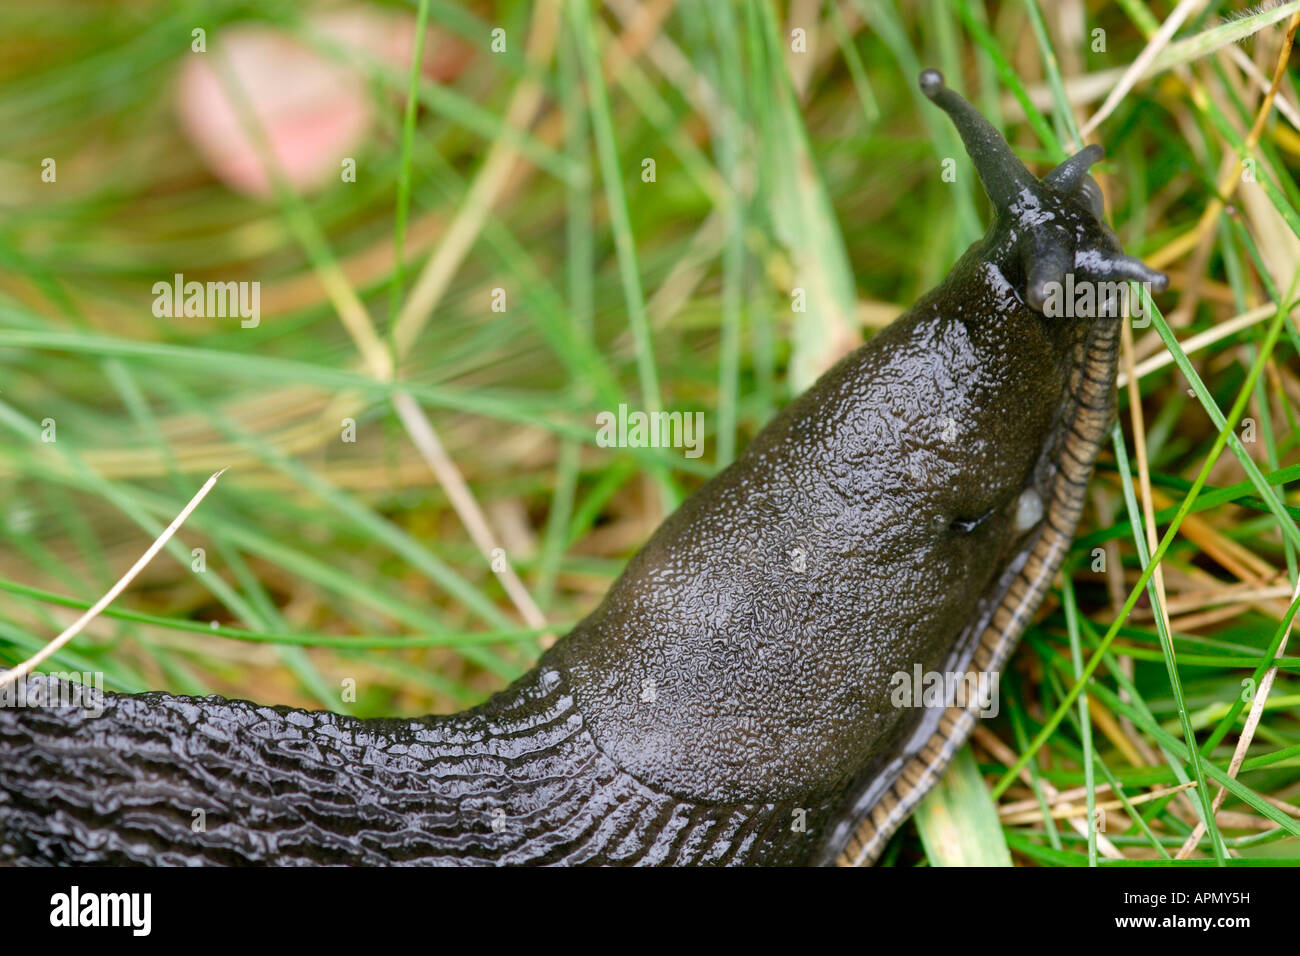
[(730, 700)]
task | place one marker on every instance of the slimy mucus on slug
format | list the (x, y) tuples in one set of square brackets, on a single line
[(718, 706)]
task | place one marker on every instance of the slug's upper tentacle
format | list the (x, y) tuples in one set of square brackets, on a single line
[(1003, 174), (1071, 178), (1049, 227), (1068, 176)]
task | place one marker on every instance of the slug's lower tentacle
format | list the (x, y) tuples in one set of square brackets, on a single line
[(1117, 267), (1046, 258)]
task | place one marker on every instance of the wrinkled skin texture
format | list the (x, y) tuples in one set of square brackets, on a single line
[(736, 677), (181, 780)]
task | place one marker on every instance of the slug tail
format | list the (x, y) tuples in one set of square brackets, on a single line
[(158, 779)]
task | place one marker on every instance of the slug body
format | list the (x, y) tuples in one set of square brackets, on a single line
[(733, 698)]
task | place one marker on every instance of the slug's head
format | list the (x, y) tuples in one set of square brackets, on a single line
[(1046, 227)]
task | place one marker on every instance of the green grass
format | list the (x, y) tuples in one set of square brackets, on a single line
[(774, 171)]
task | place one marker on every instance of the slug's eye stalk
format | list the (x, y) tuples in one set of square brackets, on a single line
[(1071, 178), (1070, 175), (1055, 224), (1000, 170)]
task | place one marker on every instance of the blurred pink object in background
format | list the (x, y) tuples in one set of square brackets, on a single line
[(314, 108)]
